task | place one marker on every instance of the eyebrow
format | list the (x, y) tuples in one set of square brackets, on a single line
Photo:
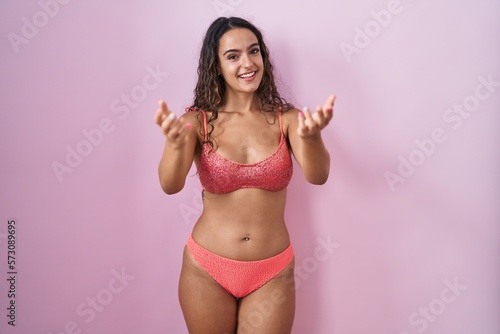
[(237, 50)]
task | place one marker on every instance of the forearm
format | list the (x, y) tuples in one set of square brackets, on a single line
[(173, 168), (315, 159)]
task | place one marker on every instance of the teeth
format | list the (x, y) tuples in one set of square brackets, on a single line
[(247, 75)]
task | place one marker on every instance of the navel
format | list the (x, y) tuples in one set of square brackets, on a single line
[(246, 237)]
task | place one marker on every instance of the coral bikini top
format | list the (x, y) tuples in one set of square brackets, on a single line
[(220, 175)]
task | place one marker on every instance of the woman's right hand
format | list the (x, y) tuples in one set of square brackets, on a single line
[(172, 127)]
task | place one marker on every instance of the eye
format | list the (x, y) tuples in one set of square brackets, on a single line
[(255, 51), (232, 57)]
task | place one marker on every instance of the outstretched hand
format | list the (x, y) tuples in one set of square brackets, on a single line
[(172, 127), (311, 124)]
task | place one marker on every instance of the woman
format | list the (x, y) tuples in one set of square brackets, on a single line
[(237, 272)]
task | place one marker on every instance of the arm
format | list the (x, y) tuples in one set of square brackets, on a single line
[(304, 134), (179, 150)]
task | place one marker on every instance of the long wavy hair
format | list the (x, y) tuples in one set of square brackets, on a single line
[(210, 89)]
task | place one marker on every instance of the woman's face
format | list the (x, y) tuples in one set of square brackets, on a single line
[(240, 59)]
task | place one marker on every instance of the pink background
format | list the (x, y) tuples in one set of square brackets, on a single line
[(394, 250)]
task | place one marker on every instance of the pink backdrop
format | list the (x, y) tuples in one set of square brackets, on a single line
[(403, 239)]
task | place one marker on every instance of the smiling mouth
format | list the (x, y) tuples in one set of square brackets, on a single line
[(249, 75)]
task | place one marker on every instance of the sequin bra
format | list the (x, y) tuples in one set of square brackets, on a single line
[(220, 175)]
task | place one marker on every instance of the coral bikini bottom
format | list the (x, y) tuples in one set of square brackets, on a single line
[(239, 278)]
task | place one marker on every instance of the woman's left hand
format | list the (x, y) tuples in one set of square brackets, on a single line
[(310, 124)]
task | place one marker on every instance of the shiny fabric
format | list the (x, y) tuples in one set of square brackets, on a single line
[(239, 278), (220, 175)]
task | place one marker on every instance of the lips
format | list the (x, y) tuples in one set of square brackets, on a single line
[(248, 75)]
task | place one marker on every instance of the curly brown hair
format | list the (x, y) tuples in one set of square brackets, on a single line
[(210, 89)]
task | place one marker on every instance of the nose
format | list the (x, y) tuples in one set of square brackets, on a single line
[(246, 61)]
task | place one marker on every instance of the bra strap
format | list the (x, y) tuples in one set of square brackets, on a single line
[(281, 123), (204, 124)]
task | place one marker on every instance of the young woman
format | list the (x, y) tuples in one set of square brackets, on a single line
[(237, 272)]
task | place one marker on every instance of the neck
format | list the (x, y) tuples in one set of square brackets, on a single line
[(239, 101)]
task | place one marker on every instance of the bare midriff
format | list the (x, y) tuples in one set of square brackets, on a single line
[(246, 224)]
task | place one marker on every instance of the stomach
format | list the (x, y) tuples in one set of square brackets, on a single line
[(245, 225)]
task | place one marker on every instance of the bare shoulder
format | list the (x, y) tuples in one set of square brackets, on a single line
[(194, 117), (290, 119), (291, 113)]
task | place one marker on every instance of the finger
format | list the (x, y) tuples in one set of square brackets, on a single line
[(330, 102), (306, 120), (301, 126), (307, 116), (176, 127), (168, 123), (309, 121), (183, 131), (180, 132), (161, 112), (158, 117), (163, 106), (320, 116), (327, 110)]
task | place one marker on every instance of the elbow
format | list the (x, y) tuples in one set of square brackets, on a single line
[(171, 188), (318, 180), (317, 171), (169, 182), (170, 191), (318, 177)]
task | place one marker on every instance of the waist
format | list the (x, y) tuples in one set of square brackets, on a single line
[(246, 225), (245, 203), (233, 245)]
